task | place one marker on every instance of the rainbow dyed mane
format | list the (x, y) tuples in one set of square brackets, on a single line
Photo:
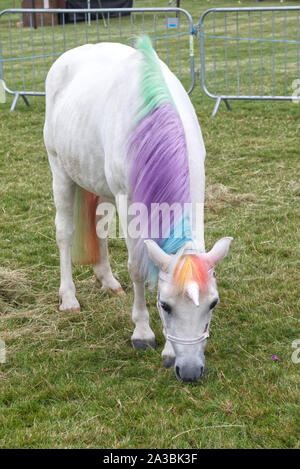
[(159, 171), (191, 268)]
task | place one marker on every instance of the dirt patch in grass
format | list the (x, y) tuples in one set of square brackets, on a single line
[(217, 196), (15, 290)]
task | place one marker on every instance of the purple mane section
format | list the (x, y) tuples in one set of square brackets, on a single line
[(159, 171)]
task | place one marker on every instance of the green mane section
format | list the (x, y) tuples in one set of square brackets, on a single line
[(153, 86)]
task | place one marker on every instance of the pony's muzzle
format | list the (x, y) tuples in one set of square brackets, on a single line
[(189, 373)]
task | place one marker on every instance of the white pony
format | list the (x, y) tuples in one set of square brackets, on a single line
[(119, 123)]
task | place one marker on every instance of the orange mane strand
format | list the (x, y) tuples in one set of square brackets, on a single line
[(191, 268)]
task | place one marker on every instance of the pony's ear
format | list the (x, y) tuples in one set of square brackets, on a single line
[(157, 255), (219, 251)]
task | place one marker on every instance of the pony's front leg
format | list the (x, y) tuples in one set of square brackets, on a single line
[(168, 355), (143, 335), (64, 191)]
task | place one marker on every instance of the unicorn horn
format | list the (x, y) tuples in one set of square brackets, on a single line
[(193, 292)]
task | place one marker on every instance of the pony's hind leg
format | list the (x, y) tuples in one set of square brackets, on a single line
[(103, 270), (64, 191)]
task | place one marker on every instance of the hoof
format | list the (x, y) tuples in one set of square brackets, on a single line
[(69, 310), (119, 292), (142, 345), (168, 362), (68, 302)]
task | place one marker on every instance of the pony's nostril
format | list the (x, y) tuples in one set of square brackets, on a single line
[(189, 374), (177, 372)]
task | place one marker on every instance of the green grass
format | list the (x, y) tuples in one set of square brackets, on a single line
[(73, 380)]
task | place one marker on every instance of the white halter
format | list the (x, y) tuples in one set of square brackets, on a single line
[(179, 340)]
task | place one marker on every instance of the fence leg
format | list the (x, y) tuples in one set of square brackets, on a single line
[(227, 104), (25, 100), (218, 102), (15, 100)]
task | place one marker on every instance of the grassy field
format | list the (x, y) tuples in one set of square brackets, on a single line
[(74, 380)]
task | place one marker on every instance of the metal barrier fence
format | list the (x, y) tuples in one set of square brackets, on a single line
[(245, 53), (249, 53), (31, 39)]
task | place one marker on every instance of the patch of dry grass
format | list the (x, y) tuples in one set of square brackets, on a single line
[(218, 196), (15, 289)]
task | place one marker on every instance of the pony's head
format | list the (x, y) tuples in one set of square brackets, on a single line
[(187, 295)]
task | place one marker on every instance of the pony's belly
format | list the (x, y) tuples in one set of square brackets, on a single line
[(79, 147), (88, 172)]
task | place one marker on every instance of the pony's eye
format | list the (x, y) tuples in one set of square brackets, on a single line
[(167, 308), (213, 304)]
